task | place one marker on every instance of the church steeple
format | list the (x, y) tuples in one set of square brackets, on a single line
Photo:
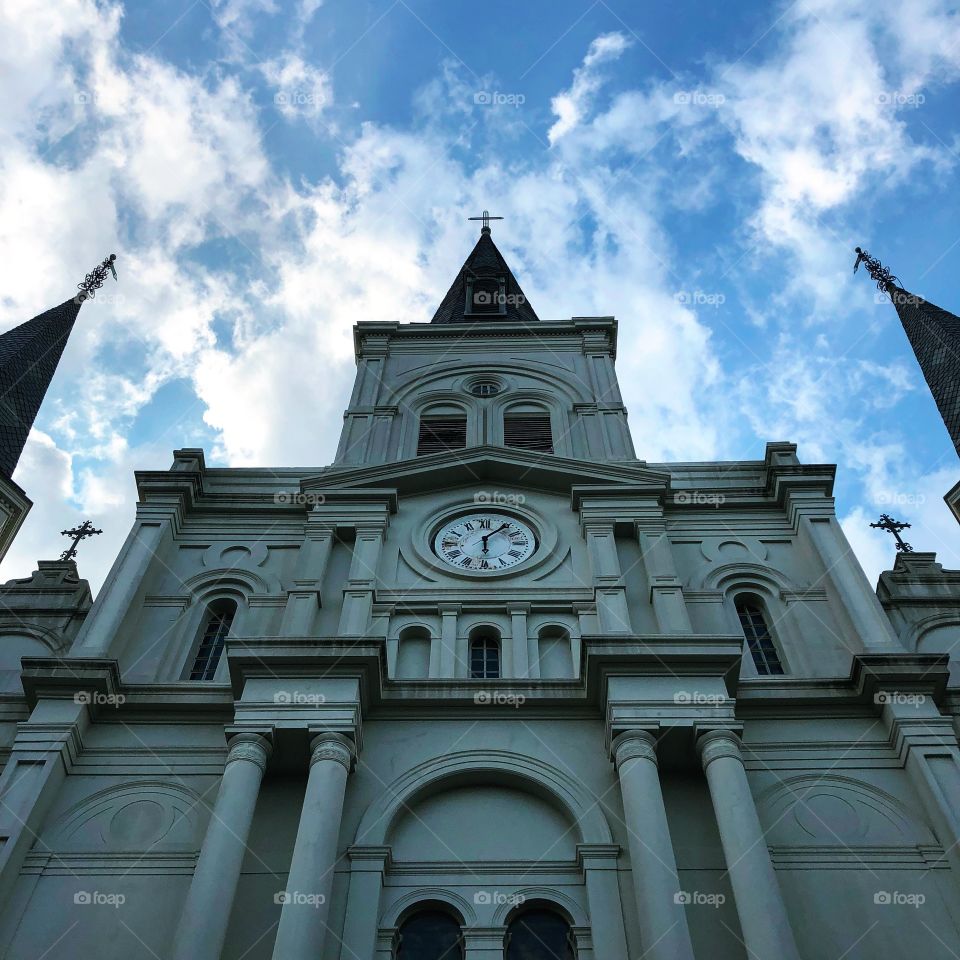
[(934, 334), (29, 355), (485, 289)]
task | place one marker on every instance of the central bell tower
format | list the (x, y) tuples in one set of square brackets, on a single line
[(486, 371)]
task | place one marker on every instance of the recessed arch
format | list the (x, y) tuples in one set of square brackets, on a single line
[(744, 575), (472, 766), (546, 897), (401, 908)]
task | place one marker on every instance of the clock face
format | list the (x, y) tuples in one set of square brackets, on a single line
[(484, 542)]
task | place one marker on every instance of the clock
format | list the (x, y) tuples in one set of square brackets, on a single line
[(484, 542)]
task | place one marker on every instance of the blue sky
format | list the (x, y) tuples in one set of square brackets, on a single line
[(270, 173)]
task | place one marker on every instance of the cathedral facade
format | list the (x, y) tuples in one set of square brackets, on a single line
[(488, 686)]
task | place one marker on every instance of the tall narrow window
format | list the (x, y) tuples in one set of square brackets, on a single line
[(485, 658), (216, 628), (438, 434), (429, 935), (528, 431), (539, 935), (759, 640)]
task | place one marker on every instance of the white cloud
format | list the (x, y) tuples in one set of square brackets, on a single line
[(570, 106), (301, 91)]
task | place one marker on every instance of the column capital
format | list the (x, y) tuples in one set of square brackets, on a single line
[(332, 746), (254, 747), (513, 608), (712, 744), (635, 744)]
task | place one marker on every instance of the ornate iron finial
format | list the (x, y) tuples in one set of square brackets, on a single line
[(78, 533), (885, 279), (486, 218), (887, 523), (93, 281)]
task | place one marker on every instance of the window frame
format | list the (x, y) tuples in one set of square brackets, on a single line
[(221, 612), (759, 638), (490, 647)]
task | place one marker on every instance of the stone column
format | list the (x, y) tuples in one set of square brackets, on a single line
[(660, 914), (443, 651), (206, 912), (612, 611), (367, 866), (856, 594), (665, 589), (303, 598), (518, 637), (358, 595), (303, 919), (763, 916), (599, 863), (118, 592), (483, 943)]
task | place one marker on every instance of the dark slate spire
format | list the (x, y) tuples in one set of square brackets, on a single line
[(934, 334), (485, 289), (29, 355)]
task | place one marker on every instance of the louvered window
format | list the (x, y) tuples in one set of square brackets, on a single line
[(441, 433), (760, 642), (528, 432)]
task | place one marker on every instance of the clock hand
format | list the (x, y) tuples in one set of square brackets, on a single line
[(491, 533)]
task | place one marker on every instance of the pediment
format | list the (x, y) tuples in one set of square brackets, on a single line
[(487, 463)]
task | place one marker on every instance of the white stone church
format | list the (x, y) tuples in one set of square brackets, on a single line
[(488, 686)]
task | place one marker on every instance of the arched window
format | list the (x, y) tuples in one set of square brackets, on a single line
[(485, 658), (442, 427), (539, 935), (429, 935), (216, 627), (759, 639)]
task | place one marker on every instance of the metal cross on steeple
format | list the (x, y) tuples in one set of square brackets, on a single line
[(78, 533), (887, 523), (486, 218)]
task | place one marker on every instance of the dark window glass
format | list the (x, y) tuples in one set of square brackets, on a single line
[(484, 388), (539, 935), (441, 433), (528, 431), (759, 641), (484, 658), (429, 935), (215, 631)]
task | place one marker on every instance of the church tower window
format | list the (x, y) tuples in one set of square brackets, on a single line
[(528, 431), (485, 658), (539, 935), (758, 636), (220, 616), (429, 935), (439, 434)]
